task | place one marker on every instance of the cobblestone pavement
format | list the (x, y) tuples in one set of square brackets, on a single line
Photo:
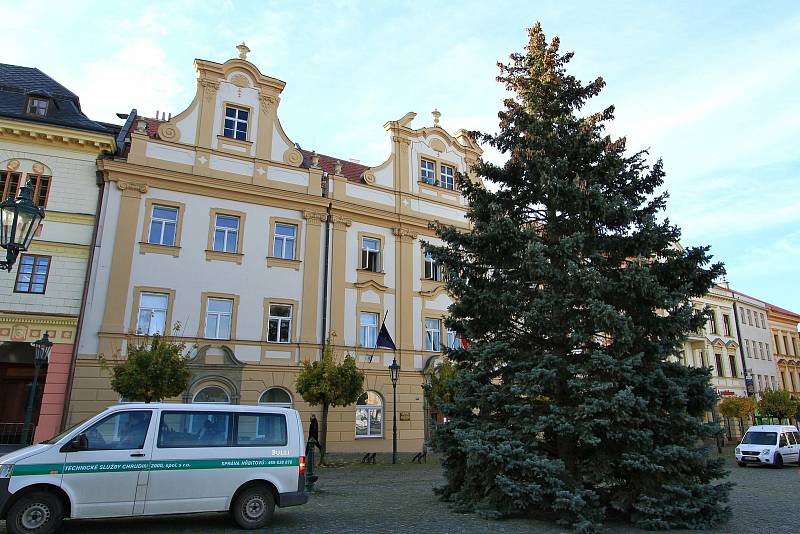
[(386, 498)]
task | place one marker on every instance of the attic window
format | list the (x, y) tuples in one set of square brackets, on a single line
[(235, 123), (37, 106)]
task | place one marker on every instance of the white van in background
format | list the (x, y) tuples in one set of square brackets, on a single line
[(148, 459), (773, 445)]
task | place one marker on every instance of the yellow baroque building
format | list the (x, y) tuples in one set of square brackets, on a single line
[(261, 249), (786, 346)]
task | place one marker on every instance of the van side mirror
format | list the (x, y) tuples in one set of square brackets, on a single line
[(78, 443)]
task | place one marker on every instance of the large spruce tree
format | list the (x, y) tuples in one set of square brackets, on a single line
[(575, 296)]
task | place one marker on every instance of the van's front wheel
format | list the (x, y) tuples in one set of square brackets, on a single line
[(253, 508), (40, 512), (778, 461)]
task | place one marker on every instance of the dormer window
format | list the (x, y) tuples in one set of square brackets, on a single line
[(37, 106), (236, 123)]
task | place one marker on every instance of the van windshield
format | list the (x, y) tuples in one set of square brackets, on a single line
[(57, 437), (760, 438)]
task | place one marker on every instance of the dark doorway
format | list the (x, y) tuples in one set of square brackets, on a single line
[(16, 380)]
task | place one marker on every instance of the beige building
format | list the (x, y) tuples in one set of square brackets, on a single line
[(786, 345), (217, 220), (45, 138)]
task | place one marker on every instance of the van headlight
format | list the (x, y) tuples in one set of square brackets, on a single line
[(5, 470), (765, 452), (738, 450)]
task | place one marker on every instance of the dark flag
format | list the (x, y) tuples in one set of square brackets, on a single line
[(384, 340)]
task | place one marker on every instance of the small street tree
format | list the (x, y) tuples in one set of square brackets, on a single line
[(329, 383), (777, 404), (738, 408), (155, 369), (574, 295)]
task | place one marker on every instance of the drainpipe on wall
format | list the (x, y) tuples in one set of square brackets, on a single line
[(71, 376), (325, 277)]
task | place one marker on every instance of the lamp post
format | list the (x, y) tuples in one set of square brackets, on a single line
[(19, 220), (394, 374), (42, 354)]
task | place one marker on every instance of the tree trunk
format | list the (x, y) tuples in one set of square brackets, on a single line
[(323, 433)]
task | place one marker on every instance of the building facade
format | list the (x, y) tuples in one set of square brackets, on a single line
[(716, 345), (756, 344), (260, 250), (44, 137), (786, 347)]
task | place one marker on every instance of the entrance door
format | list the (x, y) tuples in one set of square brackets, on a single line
[(102, 479)]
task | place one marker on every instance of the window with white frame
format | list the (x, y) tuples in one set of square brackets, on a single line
[(218, 318), (747, 347), (749, 318), (284, 240), (226, 233), (726, 324), (427, 171), (713, 319), (774, 383), (453, 340), (152, 318), (369, 415), (447, 176), (236, 123), (371, 254), (433, 335), (280, 323), (433, 270), (763, 324), (163, 224), (368, 329)]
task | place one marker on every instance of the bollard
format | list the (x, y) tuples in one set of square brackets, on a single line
[(311, 478)]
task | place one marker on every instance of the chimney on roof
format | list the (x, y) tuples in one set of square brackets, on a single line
[(337, 168), (314, 159)]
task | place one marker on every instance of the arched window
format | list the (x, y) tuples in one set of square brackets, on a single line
[(276, 396), (212, 394), (369, 415)]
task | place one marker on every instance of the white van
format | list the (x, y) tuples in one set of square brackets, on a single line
[(772, 445), (148, 459)]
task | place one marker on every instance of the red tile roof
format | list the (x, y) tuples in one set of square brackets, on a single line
[(350, 170), (778, 309)]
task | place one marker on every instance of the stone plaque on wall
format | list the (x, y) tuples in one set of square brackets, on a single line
[(405, 416)]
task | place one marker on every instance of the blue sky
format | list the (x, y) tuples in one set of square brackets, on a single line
[(712, 87)]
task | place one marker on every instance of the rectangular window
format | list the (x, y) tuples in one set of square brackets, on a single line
[(760, 385), (447, 176), (37, 106), (454, 341), (283, 242), (774, 383), (280, 323), (786, 346), (32, 274), (194, 429), (777, 344), (749, 318), (763, 324), (368, 329), (747, 348), (235, 123), (226, 233), (433, 335), (41, 187), (371, 254), (427, 171), (218, 318), (9, 183), (163, 223), (718, 358), (432, 269), (152, 318), (726, 324), (369, 421), (794, 346), (732, 362), (713, 322), (261, 430)]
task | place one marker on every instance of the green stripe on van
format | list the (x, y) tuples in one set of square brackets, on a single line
[(155, 465)]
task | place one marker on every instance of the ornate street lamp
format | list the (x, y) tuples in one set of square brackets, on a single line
[(41, 356), (19, 220), (394, 374)]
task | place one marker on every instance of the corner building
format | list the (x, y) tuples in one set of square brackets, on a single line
[(217, 220)]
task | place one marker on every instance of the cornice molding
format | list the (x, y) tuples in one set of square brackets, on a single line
[(26, 132)]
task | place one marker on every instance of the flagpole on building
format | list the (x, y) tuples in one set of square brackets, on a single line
[(376, 341)]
